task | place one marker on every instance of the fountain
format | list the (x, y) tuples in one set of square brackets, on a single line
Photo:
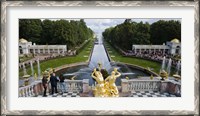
[(24, 69), (38, 64), (100, 61), (32, 70), (163, 64), (169, 66), (178, 67)]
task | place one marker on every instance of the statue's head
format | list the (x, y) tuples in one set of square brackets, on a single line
[(99, 64), (113, 73), (115, 69)]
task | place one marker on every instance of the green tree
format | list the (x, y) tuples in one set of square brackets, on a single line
[(71, 33), (128, 33), (162, 31), (30, 29)]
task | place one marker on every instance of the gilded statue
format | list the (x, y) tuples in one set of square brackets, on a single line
[(107, 87), (99, 89), (112, 88)]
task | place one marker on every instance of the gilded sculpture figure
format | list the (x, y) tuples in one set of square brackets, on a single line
[(107, 87), (112, 88), (99, 90)]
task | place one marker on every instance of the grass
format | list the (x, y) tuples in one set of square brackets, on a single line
[(136, 61), (53, 63)]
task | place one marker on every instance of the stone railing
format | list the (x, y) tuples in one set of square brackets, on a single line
[(140, 85), (31, 90), (36, 87), (72, 86), (169, 86)]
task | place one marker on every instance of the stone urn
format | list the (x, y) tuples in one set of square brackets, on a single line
[(50, 70), (26, 79), (163, 74), (177, 77), (46, 74)]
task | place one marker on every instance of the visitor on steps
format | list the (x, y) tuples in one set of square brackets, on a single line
[(53, 80), (62, 84), (44, 83)]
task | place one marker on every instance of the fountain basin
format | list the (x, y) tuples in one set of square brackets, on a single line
[(80, 71)]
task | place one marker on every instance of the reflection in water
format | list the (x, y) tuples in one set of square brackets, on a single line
[(99, 56)]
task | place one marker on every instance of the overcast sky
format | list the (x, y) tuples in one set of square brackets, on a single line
[(99, 25)]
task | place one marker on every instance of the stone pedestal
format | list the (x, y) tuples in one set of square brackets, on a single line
[(124, 85), (163, 86), (86, 87), (170, 87), (174, 88)]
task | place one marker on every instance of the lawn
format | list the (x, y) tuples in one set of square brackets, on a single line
[(53, 63), (115, 56)]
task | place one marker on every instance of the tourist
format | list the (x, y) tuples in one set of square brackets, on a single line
[(44, 83), (53, 80), (62, 84)]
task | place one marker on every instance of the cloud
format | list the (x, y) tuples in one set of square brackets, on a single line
[(99, 25)]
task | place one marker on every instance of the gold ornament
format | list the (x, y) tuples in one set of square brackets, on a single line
[(108, 87)]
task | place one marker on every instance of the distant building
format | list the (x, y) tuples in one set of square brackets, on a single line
[(172, 47), (26, 47)]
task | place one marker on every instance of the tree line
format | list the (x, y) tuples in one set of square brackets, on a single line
[(54, 32), (129, 32)]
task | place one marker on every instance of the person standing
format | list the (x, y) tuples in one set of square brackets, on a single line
[(44, 83), (62, 83), (53, 81)]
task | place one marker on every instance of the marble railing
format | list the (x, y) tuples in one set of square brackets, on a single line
[(36, 88), (72, 85), (140, 85), (33, 89), (169, 86)]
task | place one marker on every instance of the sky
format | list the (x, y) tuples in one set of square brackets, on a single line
[(99, 25)]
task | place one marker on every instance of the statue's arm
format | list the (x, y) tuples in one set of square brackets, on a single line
[(93, 76), (107, 78), (118, 74)]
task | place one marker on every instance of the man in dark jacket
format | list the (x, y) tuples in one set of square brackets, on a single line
[(53, 81)]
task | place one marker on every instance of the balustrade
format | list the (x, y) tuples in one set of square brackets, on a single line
[(36, 88), (72, 85), (140, 85), (28, 91)]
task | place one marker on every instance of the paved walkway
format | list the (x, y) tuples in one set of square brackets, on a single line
[(134, 94)]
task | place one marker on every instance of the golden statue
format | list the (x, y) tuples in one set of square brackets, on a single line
[(35, 76), (73, 77), (99, 90), (112, 88), (163, 75), (108, 87)]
